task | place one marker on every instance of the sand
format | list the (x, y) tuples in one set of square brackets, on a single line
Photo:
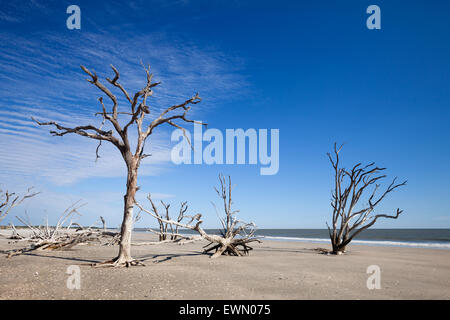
[(274, 270)]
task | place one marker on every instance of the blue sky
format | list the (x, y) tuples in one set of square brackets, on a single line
[(310, 69)]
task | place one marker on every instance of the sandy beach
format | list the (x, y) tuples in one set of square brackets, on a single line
[(274, 270)]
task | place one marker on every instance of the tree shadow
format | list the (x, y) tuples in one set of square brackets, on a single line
[(61, 258), (299, 250), (167, 257)]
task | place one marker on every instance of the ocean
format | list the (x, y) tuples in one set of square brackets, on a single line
[(419, 238)]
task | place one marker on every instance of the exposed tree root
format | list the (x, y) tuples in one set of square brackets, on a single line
[(231, 249), (118, 263), (323, 251)]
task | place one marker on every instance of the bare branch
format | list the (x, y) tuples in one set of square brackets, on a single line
[(10, 200), (118, 85), (169, 119), (80, 130)]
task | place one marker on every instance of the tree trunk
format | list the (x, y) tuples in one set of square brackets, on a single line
[(127, 223), (338, 249)]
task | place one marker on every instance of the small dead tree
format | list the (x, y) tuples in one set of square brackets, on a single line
[(349, 187), (119, 137), (235, 235), (10, 200), (167, 230)]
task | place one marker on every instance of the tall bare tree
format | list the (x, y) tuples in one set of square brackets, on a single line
[(119, 137), (349, 186)]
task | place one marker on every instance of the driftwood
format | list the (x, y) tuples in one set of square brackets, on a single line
[(137, 109), (61, 236), (64, 241), (347, 221), (235, 235)]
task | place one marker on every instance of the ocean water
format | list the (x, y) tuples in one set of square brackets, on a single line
[(419, 238), (423, 238)]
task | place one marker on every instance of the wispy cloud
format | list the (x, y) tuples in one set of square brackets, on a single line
[(8, 17), (41, 77), (16, 12)]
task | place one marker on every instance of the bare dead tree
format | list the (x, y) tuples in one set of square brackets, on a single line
[(235, 235), (349, 187), (119, 137), (166, 230), (10, 200)]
